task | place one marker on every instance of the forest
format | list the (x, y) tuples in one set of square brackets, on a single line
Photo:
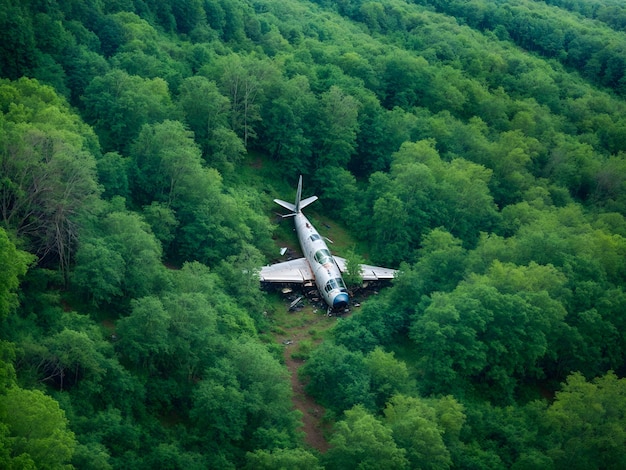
[(477, 146)]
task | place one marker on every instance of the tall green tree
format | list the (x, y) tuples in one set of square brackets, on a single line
[(489, 333), (18, 49), (209, 224), (118, 105), (353, 276), (37, 430), (587, 422), (287, 124), (48, 168), (167, 165), (389, 376), (259, 415), (69, 357), (416, 429), (336, 128), (118, 258), (339, 378), (243, 80), (362, 441), (391, 231), (204, 107), (113, 175)]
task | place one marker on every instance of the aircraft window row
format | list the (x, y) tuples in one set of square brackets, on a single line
[(336, 283), (323, 256), (315, 237)]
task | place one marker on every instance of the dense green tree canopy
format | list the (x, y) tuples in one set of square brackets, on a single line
[(35, 430), (587, 419), (48, 170), (477, 146), (361, 441)]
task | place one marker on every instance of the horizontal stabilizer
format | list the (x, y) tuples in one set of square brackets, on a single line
[(285, 204), (307, 201)]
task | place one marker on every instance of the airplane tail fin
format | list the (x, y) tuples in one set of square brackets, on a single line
[(299, 205)]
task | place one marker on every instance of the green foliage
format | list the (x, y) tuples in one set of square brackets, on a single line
[(361, 441), (587, 421), (14, 264), (487, 335), (69, 356), (286, 124), (304, 350), (113, 175), (119, 104), (477, 145), (204, 107), (337, 127), (426, 191), (282, 459), (100, 271), (416, 429), (354, 334), (144, 333), (502, 437), (542, 29), (35, 430), (7, 371), (18, 50), (243, 79), (388, 376), (245, 400), (163, 222), (48, 172), (119, 258), (339, 378), (168, 165), (441, 265), (206, 111), (353, 277)]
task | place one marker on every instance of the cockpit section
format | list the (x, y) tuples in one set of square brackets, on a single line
[(336, 283), (323, 256)]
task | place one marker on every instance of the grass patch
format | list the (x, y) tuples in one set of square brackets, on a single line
[(277, 330), (315, 334), (304, 350)]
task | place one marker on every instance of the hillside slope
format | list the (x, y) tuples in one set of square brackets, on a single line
[(478, 146)]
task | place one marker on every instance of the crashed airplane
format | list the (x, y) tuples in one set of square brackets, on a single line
[(318, 264)]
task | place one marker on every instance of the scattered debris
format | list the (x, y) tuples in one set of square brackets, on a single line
[(295, 303)]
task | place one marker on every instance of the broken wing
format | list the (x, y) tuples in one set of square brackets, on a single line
[(297, 270)]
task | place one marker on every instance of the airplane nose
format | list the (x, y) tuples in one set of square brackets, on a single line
[(340, 301)]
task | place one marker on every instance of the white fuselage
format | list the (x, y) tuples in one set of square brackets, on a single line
[(326, 272)]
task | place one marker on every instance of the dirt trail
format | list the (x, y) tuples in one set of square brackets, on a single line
[(301, 328), (312, 412)]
